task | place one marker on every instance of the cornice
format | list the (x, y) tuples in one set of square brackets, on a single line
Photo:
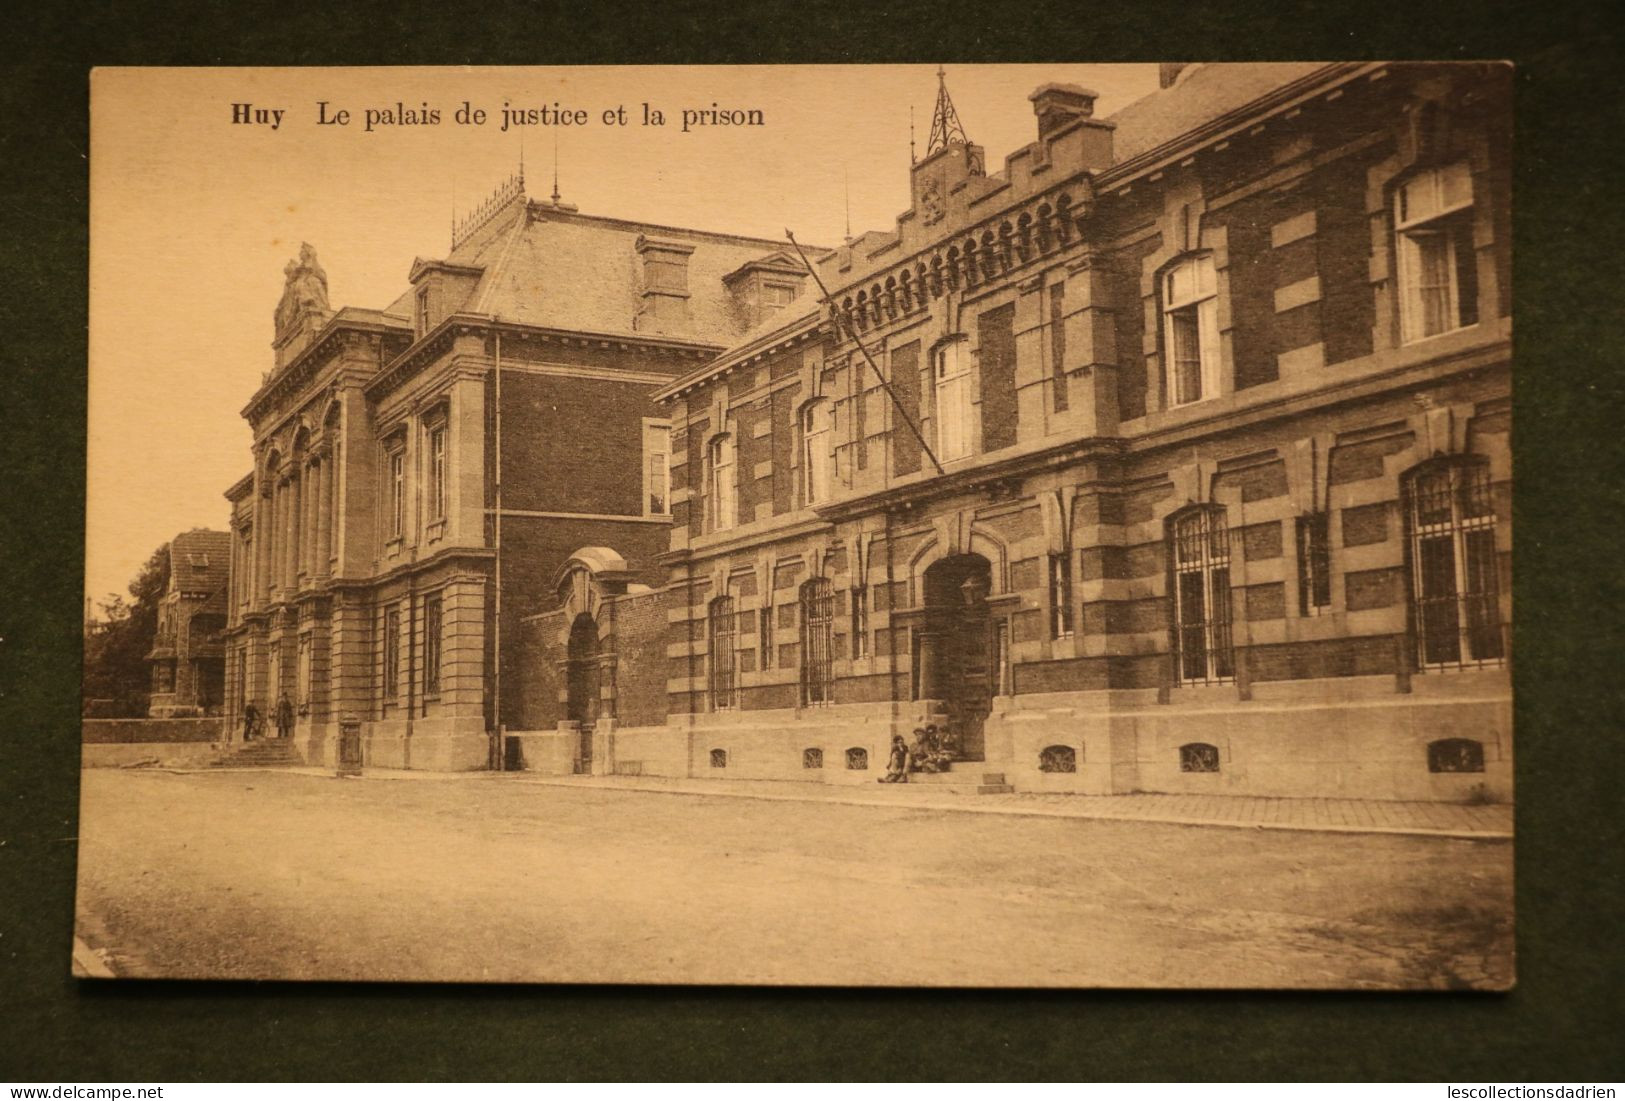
[(307, 364)]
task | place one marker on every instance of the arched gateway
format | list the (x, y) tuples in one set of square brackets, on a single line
[(959, 654)]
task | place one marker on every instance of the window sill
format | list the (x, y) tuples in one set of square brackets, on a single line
[(436, 530), (1416, 341)]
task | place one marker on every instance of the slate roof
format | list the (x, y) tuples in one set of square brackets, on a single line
[(1203, 93), (564, 270), (200, 561)]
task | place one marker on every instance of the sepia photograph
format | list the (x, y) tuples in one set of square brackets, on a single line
[(963, 525)]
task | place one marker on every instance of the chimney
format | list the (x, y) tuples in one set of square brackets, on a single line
[(1168, 72), (1058, 105)]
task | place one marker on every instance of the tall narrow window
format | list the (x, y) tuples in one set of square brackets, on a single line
[(392, 656), (431, 645), (656, 468), (302, 671), (817, 640), (817, 454), (1450, 552), (1190, 330), (722, 494), (1438, 274), (722, 662), (1314, 564), (437, 472), (1200, 558), (764, 635), (423, 310), (397, 493), (1057, 344), (1060, 596), (951, 369), (860, 621)]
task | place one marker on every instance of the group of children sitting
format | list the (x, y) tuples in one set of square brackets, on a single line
[(932, 751)]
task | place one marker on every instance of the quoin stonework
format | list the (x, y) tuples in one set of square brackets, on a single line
[(1171, 456)]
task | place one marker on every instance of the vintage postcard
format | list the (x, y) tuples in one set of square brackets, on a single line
[(994, 525)]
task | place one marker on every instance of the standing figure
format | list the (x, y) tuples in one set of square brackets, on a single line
[(284, 717), (896, 762), (251, 723)]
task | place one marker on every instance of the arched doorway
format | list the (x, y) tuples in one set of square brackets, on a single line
[(957, 662), (581, 683)]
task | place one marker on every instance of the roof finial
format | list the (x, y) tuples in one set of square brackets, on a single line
[(555, 166), (946, 128), (911, 157), (846, 181)]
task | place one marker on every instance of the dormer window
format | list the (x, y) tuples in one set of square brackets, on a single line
[(422, 324), (1190, 330), (1438, 277), (777, 295)]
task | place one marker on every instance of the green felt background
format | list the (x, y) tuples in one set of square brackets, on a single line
[(1561, 1023)]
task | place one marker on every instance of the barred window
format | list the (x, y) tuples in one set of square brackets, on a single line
[(431, 645), (1060, 596), (1199, 557), (719, 758), (722, 660), (764, 635), (1314, 564), (1057, 345), (1198, 757), (857, 758), (817, 640), (1451, 564), (1456, 755), (1058, 758), (860, 622), (812, 758)]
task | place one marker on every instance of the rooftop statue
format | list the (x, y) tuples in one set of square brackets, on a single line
[(305, 290)]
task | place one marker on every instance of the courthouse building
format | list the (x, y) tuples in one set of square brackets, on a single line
[(1172, 456), (424, 473)]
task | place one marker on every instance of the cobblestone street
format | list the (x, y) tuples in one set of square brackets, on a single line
[(502, 878)]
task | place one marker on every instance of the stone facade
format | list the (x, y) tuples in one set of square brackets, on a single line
[(424, 472), (1207, 485)]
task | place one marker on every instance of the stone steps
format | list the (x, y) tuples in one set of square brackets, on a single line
[(259, 754), (963, 778)]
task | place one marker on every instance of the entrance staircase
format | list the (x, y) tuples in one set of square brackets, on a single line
[(260, 753)]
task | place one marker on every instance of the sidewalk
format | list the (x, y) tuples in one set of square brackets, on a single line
[(1477, 823), (1492, 822)]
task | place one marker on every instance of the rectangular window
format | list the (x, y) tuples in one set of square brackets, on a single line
[(431, 645), (723, 660), (1437, 265), (1314, 564), (1060, 596), (722, 498), (996, 357), (1057, 344), (656, 468), (392, 655), (1455, 589), (817, 454), (397, 493), (953, 400), (860, 622), (1200, 557), (817, 641), (437, 472), (764, 637), (422, 310), (302, 673), (1190, 303)]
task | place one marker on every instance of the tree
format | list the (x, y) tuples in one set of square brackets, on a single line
[(117, 643)]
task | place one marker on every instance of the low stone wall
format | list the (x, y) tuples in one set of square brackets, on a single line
[(129, 731), (134, 754)]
